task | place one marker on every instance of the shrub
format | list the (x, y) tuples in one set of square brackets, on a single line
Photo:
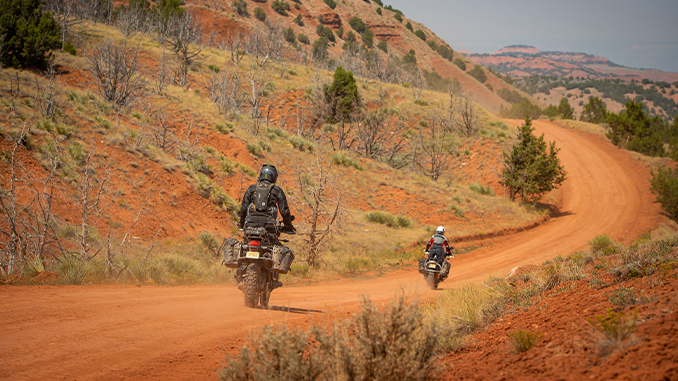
[(340, 32), (379, 11), (478, 73), (341, 95), (28, 34), (615, 329), (622, 297), (324, 31), (409, 26), (460, 63), (224, 128), (72, 270), (368, 38), (398, 17), (383, 46), (421, 102), (239, 7), (290, 36), (482, 189), (70, 48), (385, 218), (330, 3), (319, 49), (303, 39), (341, 158), (522, 341), (393, 344), (259, 14), (209, 243), (281, 7), (419, 33), (664, 185), (299, 20), (357, 24), (602, 243)]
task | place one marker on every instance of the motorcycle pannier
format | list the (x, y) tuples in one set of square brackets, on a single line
[(282, 259), (446, 269), (231, 252), (422, 265)]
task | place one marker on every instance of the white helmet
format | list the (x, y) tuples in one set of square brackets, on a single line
[(440, 230)]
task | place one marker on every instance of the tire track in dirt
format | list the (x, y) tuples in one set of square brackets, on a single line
[(126, 332)]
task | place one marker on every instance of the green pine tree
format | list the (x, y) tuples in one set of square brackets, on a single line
[(530, 170), (342, 95), (29, 34)]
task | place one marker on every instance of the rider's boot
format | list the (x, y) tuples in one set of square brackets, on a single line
[(276, 282)]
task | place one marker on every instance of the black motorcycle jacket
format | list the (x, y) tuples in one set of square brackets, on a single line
[(277, 202)]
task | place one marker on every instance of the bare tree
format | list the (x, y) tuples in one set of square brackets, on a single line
[(437, 146), (27, 221), (64, 12), (319, 191), (235, 43), (91, 193), (268, 46), (467, 113), (163, 132), (134, 18), (381, 131), (115, 68), (256, 89), (49, 96), (163, 75), (228, 91), (183, 37)]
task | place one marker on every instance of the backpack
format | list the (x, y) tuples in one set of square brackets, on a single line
[(261, 196)]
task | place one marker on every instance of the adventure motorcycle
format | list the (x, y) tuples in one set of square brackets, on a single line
[(258, 258), (433, 271)]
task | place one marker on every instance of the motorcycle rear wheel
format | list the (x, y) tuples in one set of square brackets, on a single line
[(251, 285), (265, 295), (432, 280)]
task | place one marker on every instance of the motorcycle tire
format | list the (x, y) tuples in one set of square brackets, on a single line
[(251, 285), (265, 295), (432, 281)]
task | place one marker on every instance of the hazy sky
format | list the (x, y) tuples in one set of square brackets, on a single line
[(634, 33)]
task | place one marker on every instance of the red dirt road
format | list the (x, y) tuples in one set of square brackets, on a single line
[(126, 332)]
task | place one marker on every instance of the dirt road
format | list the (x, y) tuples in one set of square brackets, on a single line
[(126, 332)]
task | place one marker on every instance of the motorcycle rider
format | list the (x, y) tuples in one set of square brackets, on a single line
[(438, 248), (260, 206)]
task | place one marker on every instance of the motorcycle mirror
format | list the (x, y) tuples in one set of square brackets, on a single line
[(292, 218)]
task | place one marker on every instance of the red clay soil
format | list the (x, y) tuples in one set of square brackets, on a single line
[(126, 332)]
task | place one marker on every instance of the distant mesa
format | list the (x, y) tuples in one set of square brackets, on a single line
[(524, 49)]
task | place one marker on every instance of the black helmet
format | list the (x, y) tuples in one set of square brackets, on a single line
[(268, 172)]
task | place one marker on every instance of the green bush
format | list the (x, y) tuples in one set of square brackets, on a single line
[(398, 17), (357, 24), (385, 218), (324, 31), (290, 36), (303, 39), (260, 14), (601, 243), (478, 73), (239, 7), (341, 158), (72, 270), (664, 185), (28, 33), (615, 327), (281, 7), (330, 3), (482, 189), (383, 46), (419, 33), (460, 64), (299, 20)]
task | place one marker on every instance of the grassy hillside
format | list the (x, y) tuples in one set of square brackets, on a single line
[(144, 191)]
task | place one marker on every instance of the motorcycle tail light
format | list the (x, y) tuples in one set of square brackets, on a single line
[(255, 243)]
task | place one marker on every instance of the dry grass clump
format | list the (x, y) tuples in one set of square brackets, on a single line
[(390, 344), (644, 258), (523, 341), (388, 219)]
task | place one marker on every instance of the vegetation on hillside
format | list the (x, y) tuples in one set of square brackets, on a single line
[(645, 92), (529, 169)]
